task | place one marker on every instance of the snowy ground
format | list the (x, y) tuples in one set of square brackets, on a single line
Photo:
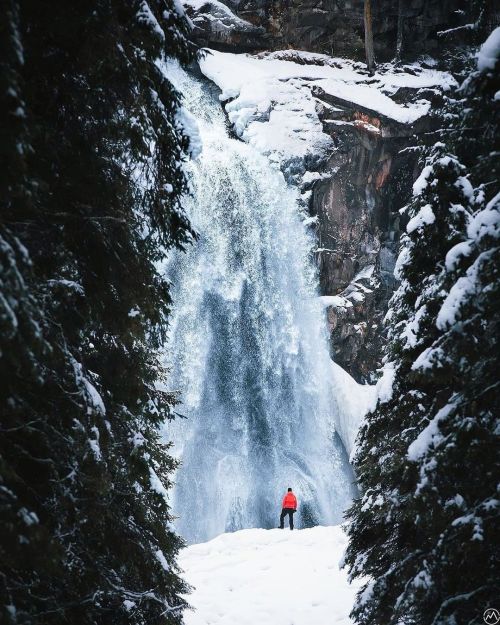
[(269, 577)]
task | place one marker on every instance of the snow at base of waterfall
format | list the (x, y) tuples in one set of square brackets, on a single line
[(269, 577)]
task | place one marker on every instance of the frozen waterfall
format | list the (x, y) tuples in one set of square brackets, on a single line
[(248, 348)]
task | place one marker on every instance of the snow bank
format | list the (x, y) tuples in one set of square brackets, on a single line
[(270, 104), (372, 98), (269, 577), (353, 402), (350, 82)]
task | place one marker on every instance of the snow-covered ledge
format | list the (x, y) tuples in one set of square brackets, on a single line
[(270, 101)]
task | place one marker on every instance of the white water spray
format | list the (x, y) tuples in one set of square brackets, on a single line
[(248, 348)]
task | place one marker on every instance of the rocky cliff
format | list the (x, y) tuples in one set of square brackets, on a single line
[(333, 27), (359, 226)]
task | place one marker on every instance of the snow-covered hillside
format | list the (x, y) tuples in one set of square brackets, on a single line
[(269, 577)]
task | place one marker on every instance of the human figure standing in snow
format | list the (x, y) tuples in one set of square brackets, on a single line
[(289, 507)]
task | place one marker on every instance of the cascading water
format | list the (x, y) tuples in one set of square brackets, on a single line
[(248, 350)]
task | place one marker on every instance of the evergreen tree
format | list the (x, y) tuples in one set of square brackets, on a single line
[(425, 530), (92, 149)]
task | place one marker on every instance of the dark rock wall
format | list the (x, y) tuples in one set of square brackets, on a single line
[(335, 27), (358, 229), (359, 224)]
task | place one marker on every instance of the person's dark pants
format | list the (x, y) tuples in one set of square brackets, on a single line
[(284, 512)]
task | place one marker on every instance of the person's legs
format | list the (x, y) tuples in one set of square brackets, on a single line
[(290, 517), (282, 519)]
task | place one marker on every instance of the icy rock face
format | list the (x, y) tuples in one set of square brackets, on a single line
[(337, 134), (356, 211)]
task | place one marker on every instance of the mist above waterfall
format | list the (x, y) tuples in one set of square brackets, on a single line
[(248, 349)]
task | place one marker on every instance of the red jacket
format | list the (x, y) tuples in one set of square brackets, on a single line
[(290, 501)]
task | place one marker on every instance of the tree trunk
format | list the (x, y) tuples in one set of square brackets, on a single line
[(399, 39), (370, 55)]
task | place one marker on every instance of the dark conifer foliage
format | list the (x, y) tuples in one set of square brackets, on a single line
[(426, 528), (91, 149)]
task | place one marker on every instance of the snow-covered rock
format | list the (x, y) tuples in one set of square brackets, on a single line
[(213, 21), (269, 106), (270, 98), (269, 577)]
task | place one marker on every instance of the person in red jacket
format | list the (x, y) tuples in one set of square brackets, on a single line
[(289, 507)]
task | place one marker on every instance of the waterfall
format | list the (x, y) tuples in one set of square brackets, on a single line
[(248, 350)]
